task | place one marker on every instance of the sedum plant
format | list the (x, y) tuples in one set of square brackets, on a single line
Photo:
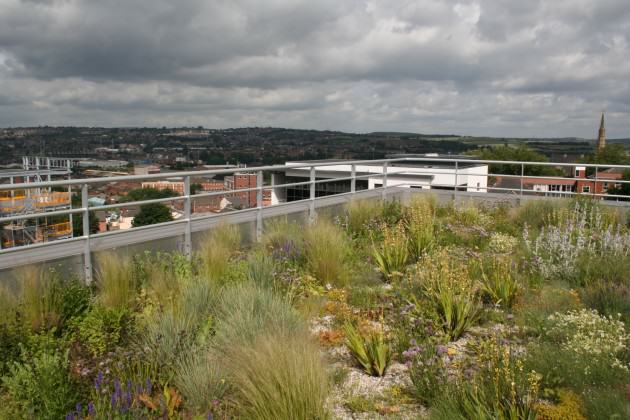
[(393, 253), (370, 351)]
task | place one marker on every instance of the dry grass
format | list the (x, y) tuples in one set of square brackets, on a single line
[(327, 252), (116, 282), (216, 250)]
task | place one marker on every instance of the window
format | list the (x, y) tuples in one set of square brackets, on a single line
[(605, 187), (586, 189)]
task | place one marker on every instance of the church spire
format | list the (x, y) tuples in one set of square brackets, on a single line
[(601, 139)]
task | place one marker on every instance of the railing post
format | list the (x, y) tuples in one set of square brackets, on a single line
[(311, 213), (259, 206), (522, 176), (87, 255), (188, 217), (353, 180), (456, 179), (384, 192)]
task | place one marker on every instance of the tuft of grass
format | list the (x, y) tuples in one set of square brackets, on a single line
[(273, 366), (420, 223), (261, 270), (279, 376), (200, 380), (361, 215), (116, 282), (327, 251), (216, 250), (244, 311), (39, 297), (282, 236)]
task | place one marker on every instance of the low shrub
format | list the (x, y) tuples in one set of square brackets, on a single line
[(327, 251), (392, 253), (116, 281), (580, 349), (501, 243), (369, 349), (575, 233), (40, 386), (569, 407), (102, 329), (162, 275)]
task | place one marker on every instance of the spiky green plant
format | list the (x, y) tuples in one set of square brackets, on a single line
[(392, 254), (498, 281), (446, 282), (369, 350)]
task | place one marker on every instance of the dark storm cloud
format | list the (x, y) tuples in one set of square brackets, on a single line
[(539, 67)]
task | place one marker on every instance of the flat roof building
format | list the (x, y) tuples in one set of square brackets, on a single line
[(416, 172)]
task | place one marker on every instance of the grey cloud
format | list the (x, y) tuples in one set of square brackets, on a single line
[(470, 66)]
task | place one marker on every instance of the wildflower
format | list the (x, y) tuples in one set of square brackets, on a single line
[(441, 349), (91, 409)]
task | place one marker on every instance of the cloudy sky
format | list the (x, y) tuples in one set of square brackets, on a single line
[(480, 67)]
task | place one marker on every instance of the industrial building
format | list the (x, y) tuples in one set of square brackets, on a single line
[(35, 201)]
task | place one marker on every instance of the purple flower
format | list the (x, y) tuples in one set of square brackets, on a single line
[(210, 416), (79, 408), (98, 382), (91, 409), (441, 349), (149, 386)]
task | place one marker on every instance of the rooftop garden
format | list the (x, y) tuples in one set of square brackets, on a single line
[(397, 311)]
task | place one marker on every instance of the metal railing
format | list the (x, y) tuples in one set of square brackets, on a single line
[(385, 170)]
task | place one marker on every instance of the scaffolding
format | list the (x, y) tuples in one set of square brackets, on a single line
[(36, 201)]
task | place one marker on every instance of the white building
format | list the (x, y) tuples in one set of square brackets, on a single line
[(413, 173)]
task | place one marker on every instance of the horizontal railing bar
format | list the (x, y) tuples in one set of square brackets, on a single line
[(42, 214), (252, 169)]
